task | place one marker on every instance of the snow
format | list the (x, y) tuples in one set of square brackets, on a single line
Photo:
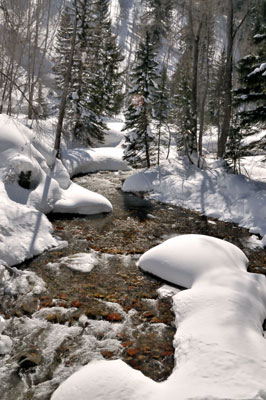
[(81, 262), (82, 161), (211, 191), (5, 341), (78, 200), (220, 350), (34, 183)]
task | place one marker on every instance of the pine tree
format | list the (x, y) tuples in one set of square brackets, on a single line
[(181, 110), (234, 149), (105, 60), (62, 46), (157, 19), (85, 121), (81, 119), (250, 97), (139, 140), (161, 108)]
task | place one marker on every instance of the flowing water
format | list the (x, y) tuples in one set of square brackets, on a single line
[(88, 300)]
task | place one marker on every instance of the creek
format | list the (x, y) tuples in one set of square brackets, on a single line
[(110, 310)]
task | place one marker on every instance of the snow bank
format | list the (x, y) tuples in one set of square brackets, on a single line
[(220, 350), (24, 231), (30, 188), (212, 192), (82, 161)]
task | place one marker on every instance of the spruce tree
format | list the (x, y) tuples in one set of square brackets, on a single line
[(161, 108), (181, 111), (81, 119), (140, 140), (85, 121), (62, 46), (250, 97), (105, 75)]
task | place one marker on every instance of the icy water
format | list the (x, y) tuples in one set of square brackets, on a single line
[(89, 300)]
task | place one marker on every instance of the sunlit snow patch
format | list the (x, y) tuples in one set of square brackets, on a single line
[(81, 161), (79, 200), (220, 349)]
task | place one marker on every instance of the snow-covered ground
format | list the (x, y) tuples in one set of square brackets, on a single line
[(220, 347), (212, 191)]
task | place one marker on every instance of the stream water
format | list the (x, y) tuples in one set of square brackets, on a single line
[(88, 300)]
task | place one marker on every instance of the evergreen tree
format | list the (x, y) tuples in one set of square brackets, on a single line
[(62, 46), (81, 119), (105, 60), (181, 110), (157, 18), (250, 97), (139, 140), (84, 118), (234, 149), (161, 108)]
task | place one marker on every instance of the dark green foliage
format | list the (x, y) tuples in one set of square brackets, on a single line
[(250, 97), (234, 148), (139, 140), (62, 46), (181, 113), (158, 18), (95, 88), (161, 111)]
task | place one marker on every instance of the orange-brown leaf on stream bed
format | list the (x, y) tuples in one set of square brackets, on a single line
[(148, 314), (46, 303), (114, 317), (156, 320), (128, 343), (76, 303), (167, 353), (59, 228), (107, 354), (132, 351)]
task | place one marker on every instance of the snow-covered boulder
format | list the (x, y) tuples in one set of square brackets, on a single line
[(79, 200)]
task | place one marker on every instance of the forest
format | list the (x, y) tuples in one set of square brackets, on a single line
[(133, 199), (181, 67)]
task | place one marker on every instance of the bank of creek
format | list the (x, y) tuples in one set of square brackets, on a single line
[(113, 311)]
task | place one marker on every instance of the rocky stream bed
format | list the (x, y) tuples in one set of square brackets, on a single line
[(113, 311)]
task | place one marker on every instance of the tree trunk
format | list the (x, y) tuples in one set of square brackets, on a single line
[(65, 91), (195, 37), (228, 82)]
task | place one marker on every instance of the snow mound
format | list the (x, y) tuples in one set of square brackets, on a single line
[(220, 350), (82, 161), (175, 261), (99, 377), (79, 200)]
